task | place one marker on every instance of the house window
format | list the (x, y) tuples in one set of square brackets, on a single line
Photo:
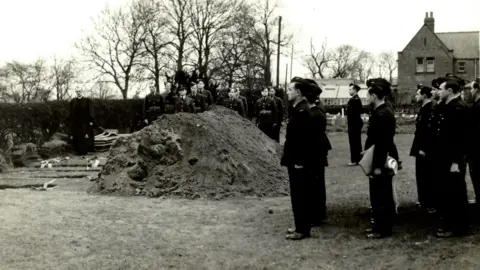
[(461, 67), (420, 65), (430, 64)]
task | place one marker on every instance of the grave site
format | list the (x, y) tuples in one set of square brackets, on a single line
[(201, 191)]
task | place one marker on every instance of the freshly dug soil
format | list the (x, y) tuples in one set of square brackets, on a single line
[(215, 154)]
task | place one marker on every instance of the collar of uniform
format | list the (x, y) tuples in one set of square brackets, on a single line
[(295, 104), (355, 96), (380, 106), (430, 101)]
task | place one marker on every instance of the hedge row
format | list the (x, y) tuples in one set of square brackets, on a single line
[(37, 122)]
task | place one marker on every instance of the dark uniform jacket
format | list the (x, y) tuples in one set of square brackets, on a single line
[(475, 129), (280, 109), (170, 99), (153, 106), (184, 105), (319, 126), (381, 130), (208, 95), (423, 132), (354, 112), (234, 104), (245, 104), (452, 132), (301, 137), (200, 102), (266, 111)]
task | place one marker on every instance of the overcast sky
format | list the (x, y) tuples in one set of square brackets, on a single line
[(41, 28)]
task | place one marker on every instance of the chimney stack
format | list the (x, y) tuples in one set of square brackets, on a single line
[(430, 21)]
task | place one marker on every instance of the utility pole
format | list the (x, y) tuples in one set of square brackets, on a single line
[(286, 76), (291, 63), (278, 49)]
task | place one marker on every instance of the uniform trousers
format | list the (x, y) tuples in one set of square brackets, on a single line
[(318, 195), (276, 132), (474, 168), (355, 141), (425, 183), (383, 203), (268, 129), (299, 195), (453, 199)]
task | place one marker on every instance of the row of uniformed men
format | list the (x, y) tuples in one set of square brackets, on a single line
[(446, 139), (269, 110)]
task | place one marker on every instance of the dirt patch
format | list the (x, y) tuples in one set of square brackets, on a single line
[(216, 154)]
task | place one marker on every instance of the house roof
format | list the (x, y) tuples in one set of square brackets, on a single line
[(465, 45), (339, 89)]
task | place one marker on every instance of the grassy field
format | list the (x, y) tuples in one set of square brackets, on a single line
[(66, 228)]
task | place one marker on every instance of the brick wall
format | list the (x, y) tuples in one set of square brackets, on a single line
[(424, 44), (471, 72)]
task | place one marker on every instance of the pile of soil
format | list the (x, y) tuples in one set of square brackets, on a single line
[(215, 154)]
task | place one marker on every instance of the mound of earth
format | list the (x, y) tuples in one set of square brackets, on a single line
[(215, 154)]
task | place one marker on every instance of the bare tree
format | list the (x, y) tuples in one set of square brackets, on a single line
[(114, 48), (154, 55), (102, 90), (265, 35), (28, 82), (231, 55), (317, 61), (179, 26), (388, 64), (346, 61), (209, 19), (63, 74)]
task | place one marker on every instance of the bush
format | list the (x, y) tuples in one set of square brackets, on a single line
[(37, 122)]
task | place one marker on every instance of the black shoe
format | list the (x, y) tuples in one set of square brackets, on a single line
[(444, 233), (375, 235), (297, 236)]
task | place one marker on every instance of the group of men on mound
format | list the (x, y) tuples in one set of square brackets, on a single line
[(268, 110)]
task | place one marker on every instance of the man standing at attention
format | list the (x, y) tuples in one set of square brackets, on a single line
[(299, 158), (381, 130), (355, 124), (422, 147), (81, 124), (280, 112), (153, 107), (205, 92)]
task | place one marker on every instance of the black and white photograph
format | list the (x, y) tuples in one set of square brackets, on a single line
[(239, 134)]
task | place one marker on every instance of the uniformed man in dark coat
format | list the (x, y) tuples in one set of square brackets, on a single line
[(242, 99), (318, 194), (474, 143), (381, 130), (422, 150), (169, 96), (153, 106), (384, 84), (299, 158), (184, 103), (280, 113), (266, 114), (234, 103), (199, 99), (355, 124), (450, 157), (205, 92), (81, 124)]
